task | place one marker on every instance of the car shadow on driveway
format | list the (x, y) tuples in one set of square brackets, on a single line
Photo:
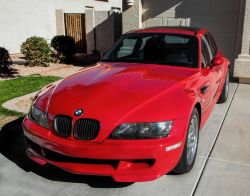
[(13, 147)]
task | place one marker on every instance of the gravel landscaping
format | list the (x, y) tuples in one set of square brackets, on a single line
[(20, 68), (65, 71)]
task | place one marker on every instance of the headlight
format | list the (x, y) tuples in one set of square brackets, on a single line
[(142, 130), (38, 117)]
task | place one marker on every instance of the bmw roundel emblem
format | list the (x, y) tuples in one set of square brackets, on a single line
[(78, 112)]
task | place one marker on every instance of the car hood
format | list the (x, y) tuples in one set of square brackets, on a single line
[(120, 93)]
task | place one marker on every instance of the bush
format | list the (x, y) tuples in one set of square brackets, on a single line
[(64, 47), (5, 61), (36, 51)]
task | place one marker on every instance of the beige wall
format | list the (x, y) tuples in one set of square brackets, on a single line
[(132, 17), (104, 22), (107, 26), (22, 19)]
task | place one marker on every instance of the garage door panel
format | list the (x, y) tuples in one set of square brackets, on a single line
[(154, 22), (201, 22), (175, 22), (177, 5), (201, 5), (226, 45), (227, 5), (156, 19), (225, 25), (169, 14)]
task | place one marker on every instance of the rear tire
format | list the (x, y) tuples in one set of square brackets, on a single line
[(188, 156), (224, 93)]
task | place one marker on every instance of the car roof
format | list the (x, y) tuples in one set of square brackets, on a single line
[(194, 29), (169, 29)]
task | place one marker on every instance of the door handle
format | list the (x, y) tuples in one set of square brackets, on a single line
[(204, 89), (220, 67)]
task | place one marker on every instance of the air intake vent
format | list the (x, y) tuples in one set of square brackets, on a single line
[(63, 125), (86, 129)]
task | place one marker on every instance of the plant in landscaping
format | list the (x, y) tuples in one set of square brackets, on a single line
[(5, 61), (36, 51), (64, 47)]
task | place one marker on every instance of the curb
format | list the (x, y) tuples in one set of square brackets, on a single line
[(11, 104)]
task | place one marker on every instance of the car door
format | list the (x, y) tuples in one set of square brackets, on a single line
[(214, 73), (204, 89)]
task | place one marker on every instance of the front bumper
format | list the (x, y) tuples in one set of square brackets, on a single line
[(124, 160)]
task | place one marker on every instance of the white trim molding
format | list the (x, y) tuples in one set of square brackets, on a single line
[(242, 64)]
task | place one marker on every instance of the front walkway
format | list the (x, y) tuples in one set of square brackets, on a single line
[(221, 168)]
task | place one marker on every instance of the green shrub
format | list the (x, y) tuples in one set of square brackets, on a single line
[(5, 61), (36, 51), (64, 47)]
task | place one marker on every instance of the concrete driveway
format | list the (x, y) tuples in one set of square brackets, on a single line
[(222, 166)]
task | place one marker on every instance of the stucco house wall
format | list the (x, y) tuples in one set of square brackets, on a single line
[(132, 17), (22, 19)]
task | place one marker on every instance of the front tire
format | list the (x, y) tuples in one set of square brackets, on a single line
[(224, 93), (188, 156)]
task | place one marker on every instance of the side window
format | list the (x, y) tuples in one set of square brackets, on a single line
[(204, 54), (208, 50), (213, 45)]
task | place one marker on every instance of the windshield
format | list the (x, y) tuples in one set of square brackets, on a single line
[(155, 48)]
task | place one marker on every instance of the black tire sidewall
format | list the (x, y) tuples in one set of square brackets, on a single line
[(224, 94), (227, 83)]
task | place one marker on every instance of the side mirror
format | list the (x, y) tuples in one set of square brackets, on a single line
[(103, 53), (217, 61)]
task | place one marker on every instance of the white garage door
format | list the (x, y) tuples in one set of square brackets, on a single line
[(219, 16)]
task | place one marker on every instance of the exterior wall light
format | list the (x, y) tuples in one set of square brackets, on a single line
[(130, 3)]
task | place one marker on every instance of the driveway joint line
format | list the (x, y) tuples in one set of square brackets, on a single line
[(213, 144), (200, 156), (222, 160)]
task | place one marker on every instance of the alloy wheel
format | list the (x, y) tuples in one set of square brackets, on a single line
[(192, 139)]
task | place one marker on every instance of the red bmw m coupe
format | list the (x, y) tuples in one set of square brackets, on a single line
[(137, 113)]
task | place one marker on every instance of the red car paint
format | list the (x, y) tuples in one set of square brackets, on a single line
[(117, 93)]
